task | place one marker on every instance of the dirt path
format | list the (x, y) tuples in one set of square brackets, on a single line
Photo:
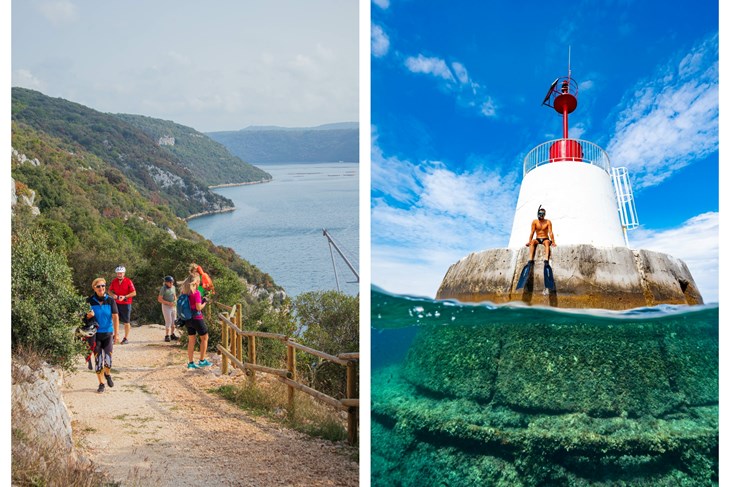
[(160, 426)]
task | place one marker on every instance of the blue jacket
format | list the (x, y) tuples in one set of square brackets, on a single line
[(103, 309)]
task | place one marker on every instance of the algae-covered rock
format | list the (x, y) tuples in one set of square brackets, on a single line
[(552, 399)]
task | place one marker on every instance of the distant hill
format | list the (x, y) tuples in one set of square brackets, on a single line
[(267, 144), (207, 159), (159, 174)]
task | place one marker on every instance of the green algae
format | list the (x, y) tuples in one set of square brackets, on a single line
[(546, 399)]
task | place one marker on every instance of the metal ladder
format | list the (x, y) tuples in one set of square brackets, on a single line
[(625, 198)]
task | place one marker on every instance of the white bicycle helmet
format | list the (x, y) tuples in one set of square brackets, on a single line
[(87, 330), (120, 269)]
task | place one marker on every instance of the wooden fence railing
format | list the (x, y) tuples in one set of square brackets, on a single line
[(231, 348)]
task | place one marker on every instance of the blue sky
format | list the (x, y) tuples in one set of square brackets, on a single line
[(456, 92)]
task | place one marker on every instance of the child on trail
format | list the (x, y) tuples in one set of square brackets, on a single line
[(168, 300)]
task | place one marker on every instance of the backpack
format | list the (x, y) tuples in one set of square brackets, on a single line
[(183, 307)]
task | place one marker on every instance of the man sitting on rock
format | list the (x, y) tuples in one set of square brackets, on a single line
[(543, 231)]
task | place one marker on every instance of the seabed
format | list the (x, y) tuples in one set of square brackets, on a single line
[(623, 404)]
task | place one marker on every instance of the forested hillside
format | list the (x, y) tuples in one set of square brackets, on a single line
[(207, 160), (158, 174), (326, 143), (88, 217)]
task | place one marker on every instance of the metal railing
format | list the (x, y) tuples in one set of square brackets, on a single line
[(587, 152)]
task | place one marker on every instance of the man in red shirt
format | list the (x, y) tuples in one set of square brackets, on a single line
[(122, 290)]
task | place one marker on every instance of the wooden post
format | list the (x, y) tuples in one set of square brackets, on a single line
[(252, 355), (224, 341), (352, 413), (232, 338), (239, 324), (291, 366)]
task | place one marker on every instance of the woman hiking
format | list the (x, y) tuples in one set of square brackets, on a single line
[(195, 325), (104, 310)]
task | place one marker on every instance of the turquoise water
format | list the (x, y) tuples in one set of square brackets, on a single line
[(477, 394), (277, 226)]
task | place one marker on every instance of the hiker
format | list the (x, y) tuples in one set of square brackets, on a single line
[(87, 334), (167, 298), (195, 325), (205, 285), (104, 310), (122, 290)]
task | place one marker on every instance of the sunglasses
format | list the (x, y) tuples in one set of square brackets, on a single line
[(100, 285)]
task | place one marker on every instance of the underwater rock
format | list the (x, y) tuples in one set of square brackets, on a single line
[(560, 399), (586, 277)]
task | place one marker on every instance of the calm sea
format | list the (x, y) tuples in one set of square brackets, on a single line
[(277, 226), (478, 394)]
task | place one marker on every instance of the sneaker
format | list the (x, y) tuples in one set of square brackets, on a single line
[(174, 337), (191, 365), (100, 389), (204, 363), (167, 338), (109, 380), (125, 341)]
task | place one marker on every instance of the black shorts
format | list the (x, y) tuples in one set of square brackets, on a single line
[(196, 326), (105, 344), (541, 240), (125, 310)]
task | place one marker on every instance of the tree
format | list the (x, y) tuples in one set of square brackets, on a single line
[(329, 321), (45, 307)]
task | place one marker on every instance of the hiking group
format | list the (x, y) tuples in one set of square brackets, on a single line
[(108, 306)]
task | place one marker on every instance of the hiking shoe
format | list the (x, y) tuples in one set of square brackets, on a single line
[(167, 338), (125, 341), (100, 389), (109, 380), (191, 365), (204, 363), (174, 337)]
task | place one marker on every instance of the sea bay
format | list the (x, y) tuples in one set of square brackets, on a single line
[(277, 226)]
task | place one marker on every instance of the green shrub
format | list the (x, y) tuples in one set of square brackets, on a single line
[(330, 321), (45, 307)]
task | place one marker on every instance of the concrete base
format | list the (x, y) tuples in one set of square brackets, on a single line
[(585, 276)]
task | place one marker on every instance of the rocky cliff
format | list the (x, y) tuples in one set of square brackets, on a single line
[(585, 277)]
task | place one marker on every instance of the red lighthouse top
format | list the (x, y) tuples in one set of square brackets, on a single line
[(563, 97)]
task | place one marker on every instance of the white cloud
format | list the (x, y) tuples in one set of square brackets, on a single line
[(460, 72), (379, 41), (384, 4), (455, 81), (668, 122), (696, 242), (585, 85), (57, 11), (488, 108), (429, 65), (24, 78), (425, 217)]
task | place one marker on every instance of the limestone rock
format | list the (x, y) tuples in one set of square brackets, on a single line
[(36, 396), (585, 276)]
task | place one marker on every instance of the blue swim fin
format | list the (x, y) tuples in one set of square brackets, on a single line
[(525, 274), (548, 274)]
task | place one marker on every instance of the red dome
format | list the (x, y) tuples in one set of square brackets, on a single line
[(566, 150)]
